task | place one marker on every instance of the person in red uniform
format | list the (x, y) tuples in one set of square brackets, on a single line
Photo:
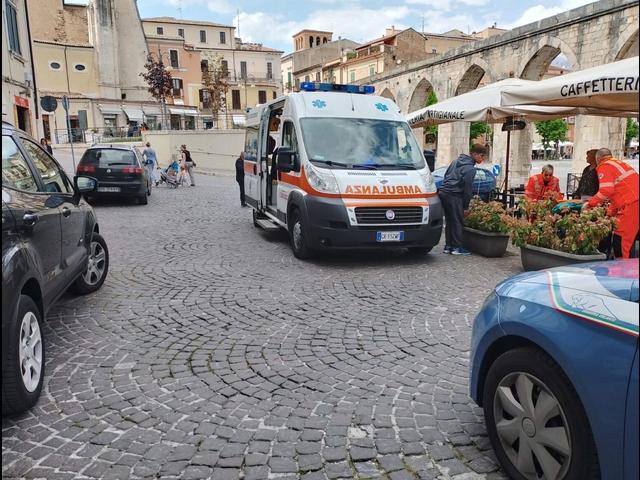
[(619, 185), (543, 185)]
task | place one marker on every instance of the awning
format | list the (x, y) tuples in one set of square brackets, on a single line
[(153, 110), (110, 109), (189, 112), (176, 111), (239, 119), (133, 113)]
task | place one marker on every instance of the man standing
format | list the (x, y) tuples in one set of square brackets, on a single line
[(455, 195), (151, 162), (619, 185), (543, 185), (240, 177), (588, 185)]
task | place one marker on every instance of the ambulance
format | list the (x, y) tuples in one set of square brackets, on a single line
[(339, 167)]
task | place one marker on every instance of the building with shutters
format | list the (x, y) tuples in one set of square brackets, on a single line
[(18, 99)]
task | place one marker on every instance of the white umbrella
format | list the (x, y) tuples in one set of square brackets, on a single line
[(610, 87)]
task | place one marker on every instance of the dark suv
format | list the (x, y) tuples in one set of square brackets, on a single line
[(50, 242), (119, 169)]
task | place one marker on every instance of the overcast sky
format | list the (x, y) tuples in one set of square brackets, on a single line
[(272, 22)]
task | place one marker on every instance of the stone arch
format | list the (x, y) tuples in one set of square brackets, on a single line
[(419, 96), (627, 44), (470, 79), (386, 93), (548, 49), (311, 42)]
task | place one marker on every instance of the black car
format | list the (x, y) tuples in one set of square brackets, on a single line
[(50, 242), (118, 169)]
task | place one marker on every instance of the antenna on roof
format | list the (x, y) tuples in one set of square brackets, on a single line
[(423, 23), (238, 23), (180, 9)]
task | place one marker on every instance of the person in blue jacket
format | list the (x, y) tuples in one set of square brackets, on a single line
[(455, 195)]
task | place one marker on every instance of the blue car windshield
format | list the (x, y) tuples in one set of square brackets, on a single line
[(361, 143)]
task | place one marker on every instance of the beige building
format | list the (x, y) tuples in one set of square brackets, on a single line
[(253, 70), (18, 100), (92, 54)]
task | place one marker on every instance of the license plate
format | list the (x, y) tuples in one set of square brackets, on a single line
[(389, 236), (108, 189)]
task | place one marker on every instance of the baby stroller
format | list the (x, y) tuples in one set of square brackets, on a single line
[(170, 180)]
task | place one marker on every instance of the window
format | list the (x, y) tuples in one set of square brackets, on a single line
[(203, 36), (181, 32), (289, 140), (205, 98), (204, 65), (262, 96), (274, 95), (160, 30), (269, 70), (225, 67), (317, 76), (55, 65), (12, 27), (223, 38), (177, 87), (54, 179), (372, 70), (15, 170), (289, 79), (235, 99), (79, 67), (433, 50), (324, 39), (306, 78), (243, 70), (251, 144), (352, 75), (173, 57)]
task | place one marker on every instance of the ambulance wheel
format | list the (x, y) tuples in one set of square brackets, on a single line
[(299, 244), (419, 250)]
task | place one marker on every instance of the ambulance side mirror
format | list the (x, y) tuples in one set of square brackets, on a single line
[(287, 159)]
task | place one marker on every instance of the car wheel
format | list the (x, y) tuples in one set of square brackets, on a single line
[(297, 237), (142, 199), (419, 250), (535, 421), (23, 365), (97, 267)]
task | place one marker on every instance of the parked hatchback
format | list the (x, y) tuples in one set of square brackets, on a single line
[(484, 182), (50, 242), (554, 364), (119, 169)]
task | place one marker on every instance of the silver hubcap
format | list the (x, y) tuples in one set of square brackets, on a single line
[(30, 355), (532, 427), (96, 264), (297, 235)]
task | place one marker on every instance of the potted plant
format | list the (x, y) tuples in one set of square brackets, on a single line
[(548, 239), (485, 228)]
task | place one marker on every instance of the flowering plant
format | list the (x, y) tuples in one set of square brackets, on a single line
[(579, 233), (486, 216)]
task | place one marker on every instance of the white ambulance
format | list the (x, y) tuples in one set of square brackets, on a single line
[(339, 168)]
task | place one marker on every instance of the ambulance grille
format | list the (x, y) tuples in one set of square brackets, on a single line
[(363, 174), (378, 215)]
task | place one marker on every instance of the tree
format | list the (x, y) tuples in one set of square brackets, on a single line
[(552, 131), (478, 128), (632, 131), (431, 133), (215, 86), (159, 81)]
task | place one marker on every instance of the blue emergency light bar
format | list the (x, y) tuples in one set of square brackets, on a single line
[(336, 87)]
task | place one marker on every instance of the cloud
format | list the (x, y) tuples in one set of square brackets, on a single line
[(539, 12), (220, 6)]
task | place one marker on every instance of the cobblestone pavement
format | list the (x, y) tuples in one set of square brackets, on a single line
[(212, 352)]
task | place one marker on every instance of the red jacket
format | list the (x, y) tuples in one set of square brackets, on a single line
[(537, 190), (618, 184)]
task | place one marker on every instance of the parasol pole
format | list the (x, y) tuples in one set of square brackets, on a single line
[(506, 169)]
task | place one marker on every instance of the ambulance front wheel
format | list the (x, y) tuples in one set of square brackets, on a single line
[(299, 242)]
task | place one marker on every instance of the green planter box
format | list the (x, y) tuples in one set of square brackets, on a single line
[(537, 258), (487, 244)]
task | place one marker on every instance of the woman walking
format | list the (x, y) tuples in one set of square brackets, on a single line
[(189, 164), (183, 175)]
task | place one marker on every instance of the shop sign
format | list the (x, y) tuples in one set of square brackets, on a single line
[(21, 101)]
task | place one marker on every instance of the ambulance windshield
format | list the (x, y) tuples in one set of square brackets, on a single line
[(361, 143)]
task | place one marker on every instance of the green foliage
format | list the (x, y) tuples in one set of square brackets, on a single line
[(486, 216), (551, 131), (579, 233), (431, 133), (632, 131), (478, 128)]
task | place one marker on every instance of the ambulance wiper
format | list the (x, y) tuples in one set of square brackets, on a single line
[(330, 163), (367, 166)]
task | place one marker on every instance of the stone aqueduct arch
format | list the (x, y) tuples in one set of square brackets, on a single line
[(591, 35)]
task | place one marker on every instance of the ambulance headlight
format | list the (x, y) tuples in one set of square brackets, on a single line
[(321, 180), (428, 182)]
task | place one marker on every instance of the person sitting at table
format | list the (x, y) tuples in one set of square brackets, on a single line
[(543, 186)]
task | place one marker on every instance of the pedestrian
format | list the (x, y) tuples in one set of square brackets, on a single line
[(588, 185), (618, 183), (455, 195), (151, 162), (190, 164), (240, 177), (183, 174), (543, 185), (46, 145)]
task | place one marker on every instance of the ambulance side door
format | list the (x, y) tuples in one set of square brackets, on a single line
[(263, 168), (251, 178), (286, 180)]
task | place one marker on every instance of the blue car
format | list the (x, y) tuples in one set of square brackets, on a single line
[(554, 364), (484, 183)]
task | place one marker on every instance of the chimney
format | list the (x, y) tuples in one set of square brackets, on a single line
[(390, 31)]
